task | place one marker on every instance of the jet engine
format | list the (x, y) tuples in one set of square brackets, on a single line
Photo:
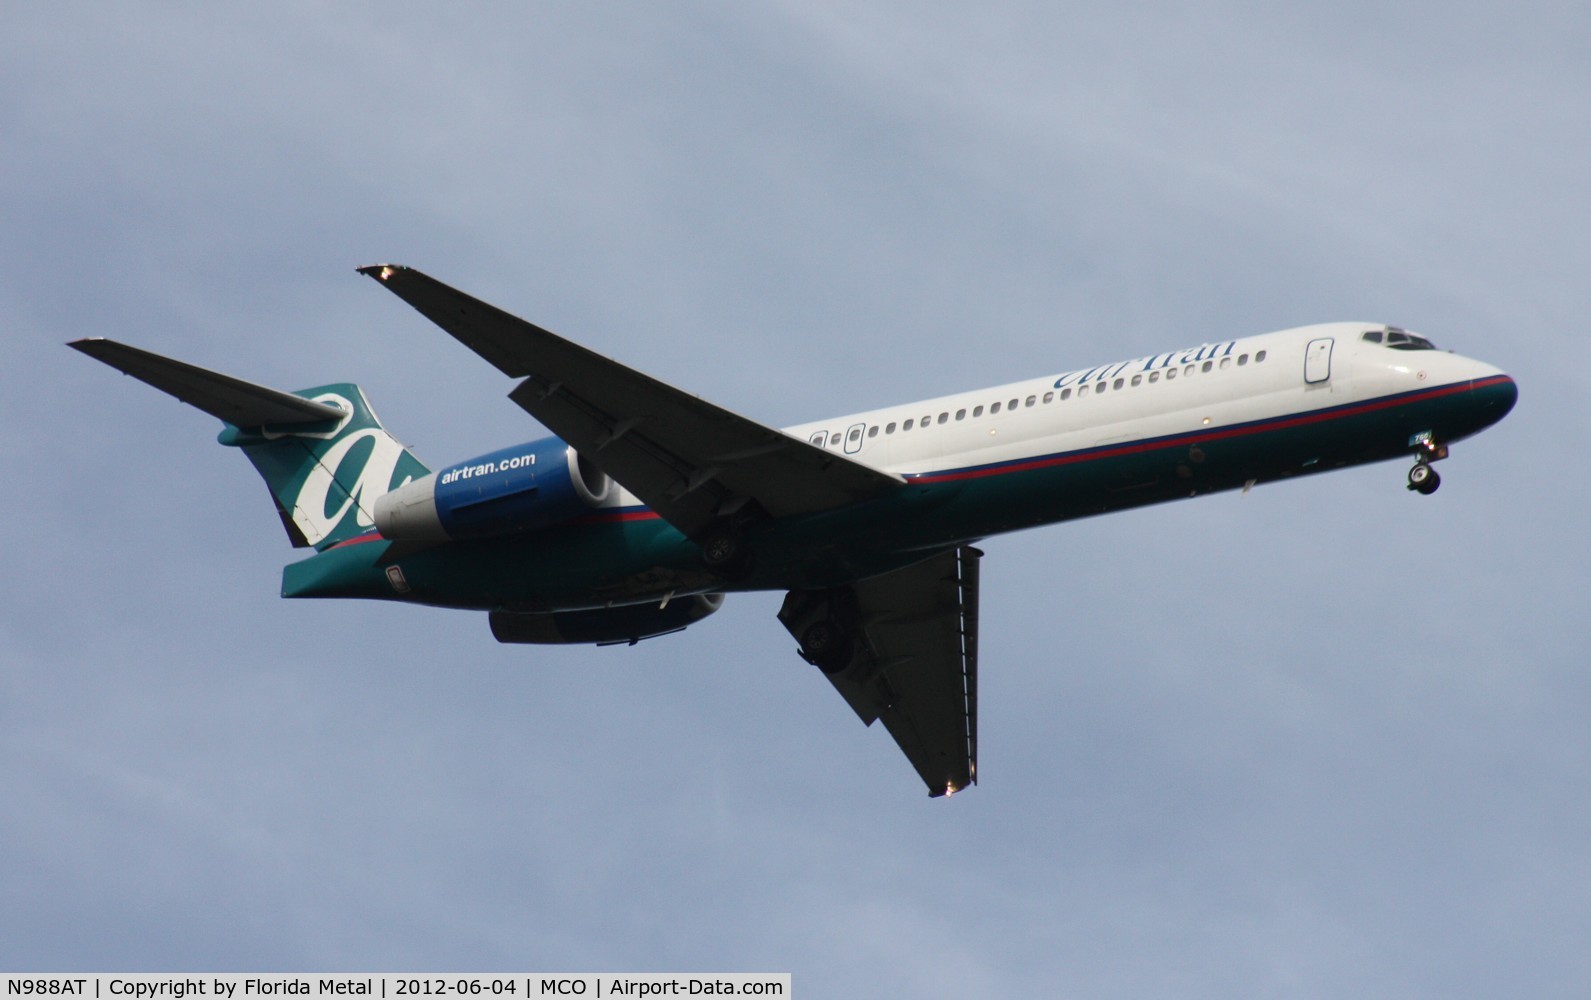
[(502, 493), (627, 623)]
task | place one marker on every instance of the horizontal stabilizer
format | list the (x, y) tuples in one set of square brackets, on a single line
[(239, 403)]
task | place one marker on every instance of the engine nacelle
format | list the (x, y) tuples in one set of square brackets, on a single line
[(627, 623), (505, 492)]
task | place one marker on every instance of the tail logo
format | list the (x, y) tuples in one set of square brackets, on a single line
[(313, 512), (346, 478)]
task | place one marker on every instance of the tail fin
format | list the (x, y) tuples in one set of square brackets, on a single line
[(322, 452)]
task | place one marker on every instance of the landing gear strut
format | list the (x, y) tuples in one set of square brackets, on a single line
[(1422, 478)]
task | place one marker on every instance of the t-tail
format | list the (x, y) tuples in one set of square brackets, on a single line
[(322, 452)]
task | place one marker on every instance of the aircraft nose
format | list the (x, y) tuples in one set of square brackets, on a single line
[(1494, 396)]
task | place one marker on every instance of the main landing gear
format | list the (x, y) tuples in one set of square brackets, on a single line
[(725, 550), (825, 623), (826, 644), (1422, 478)]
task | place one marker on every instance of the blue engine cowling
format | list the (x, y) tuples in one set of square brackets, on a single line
[(502, 493), (627, 623)]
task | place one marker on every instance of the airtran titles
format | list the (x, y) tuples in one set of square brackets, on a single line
[(1170, 359)]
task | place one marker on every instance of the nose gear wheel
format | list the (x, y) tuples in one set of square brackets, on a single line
[(1423, 479)]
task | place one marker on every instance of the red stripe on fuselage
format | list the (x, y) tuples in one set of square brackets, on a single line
[(1090, 454), (1215, 434), (618, 517), (369, 536)]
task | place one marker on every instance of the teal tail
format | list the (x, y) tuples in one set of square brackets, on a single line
[(322, 452)]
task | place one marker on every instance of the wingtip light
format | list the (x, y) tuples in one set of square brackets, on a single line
[(381, 272)]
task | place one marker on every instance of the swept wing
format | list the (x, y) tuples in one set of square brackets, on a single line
[(690, 461)]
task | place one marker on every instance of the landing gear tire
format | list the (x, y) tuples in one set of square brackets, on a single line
[(1423, 479), (827, 645), (725, 552)]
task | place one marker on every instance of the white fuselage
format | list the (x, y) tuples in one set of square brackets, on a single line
[(1205, 387)]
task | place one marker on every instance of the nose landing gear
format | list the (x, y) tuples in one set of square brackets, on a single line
[(1422, 478)]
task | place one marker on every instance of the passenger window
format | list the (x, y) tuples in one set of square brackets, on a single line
[(994, 408), (1031, 400), (906, 426), (1118, 383), (1188, 370), (1066, 394), (1207, 366), (1171, 373), (927, 419), (944, 417), (889, 428), (1011, 405), (1049, 397), (1137, 380), (820, 438), (1226, 362), (834, 440), (1242, 359), (961, 414), (977, 411), (1259, 356), (1154, 376)]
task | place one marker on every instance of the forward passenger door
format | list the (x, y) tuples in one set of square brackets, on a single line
[(1317, 361)]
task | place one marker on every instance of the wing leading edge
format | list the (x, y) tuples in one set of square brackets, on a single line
[(910, 658), (692, 462)]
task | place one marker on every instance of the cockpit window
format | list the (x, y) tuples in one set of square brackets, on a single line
[(1400, 340), (1405, 341)]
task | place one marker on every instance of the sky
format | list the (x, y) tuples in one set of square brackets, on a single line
[(1328, 738)]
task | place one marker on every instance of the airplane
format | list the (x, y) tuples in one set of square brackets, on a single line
[(649, 504)]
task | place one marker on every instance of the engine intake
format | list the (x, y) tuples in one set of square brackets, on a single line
[(502, 493)]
